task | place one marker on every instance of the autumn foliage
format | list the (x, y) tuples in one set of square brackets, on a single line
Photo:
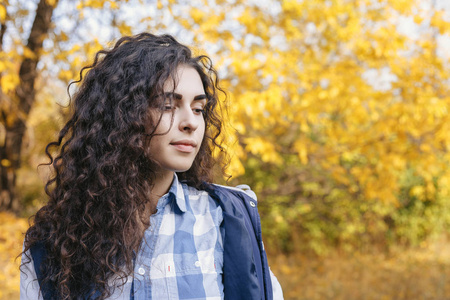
[(342, 116), (338, 109), (11, 236)]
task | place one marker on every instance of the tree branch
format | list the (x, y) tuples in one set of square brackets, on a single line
[(27, 73)]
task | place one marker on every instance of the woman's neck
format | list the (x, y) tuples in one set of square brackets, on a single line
[(161, 185)]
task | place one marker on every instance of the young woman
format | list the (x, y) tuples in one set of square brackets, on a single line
[(131, 212)]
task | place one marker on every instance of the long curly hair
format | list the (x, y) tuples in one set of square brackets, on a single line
[(103, 171)]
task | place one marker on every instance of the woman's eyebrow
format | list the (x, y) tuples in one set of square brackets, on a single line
[(172, 95), (179, 96), (200, 97)]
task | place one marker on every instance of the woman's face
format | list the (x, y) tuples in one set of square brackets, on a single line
[(177, 146)]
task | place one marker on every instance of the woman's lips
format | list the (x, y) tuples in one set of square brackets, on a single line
[(186, 146)]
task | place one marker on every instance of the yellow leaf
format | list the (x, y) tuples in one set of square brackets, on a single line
[(197, 15), (263, 148), (125, 29), (65, 75), (300, 147), (113, 5), (418, 191), (9, 82), (2, 66), (418, 19), (51, 2), (5, 162), (2, 13), (27, 53)]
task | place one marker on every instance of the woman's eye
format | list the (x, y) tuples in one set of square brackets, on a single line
[(198, 110), (167, 107)]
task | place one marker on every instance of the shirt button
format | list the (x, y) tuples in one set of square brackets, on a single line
[(141, 271), (252, 204), (197, 263)]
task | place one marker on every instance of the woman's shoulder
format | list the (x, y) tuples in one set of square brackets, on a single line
[(212, 188), (241, 188)]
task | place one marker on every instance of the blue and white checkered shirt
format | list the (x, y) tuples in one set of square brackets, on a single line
[(181, 256)]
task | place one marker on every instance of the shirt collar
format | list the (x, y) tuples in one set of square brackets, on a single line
[(176, 192)]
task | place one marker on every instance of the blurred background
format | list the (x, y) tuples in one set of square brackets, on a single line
[(338, 119)]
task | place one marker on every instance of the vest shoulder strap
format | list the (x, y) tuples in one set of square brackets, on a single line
[(39, 253)]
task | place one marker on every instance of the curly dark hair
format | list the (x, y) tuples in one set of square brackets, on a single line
[(102, 170)]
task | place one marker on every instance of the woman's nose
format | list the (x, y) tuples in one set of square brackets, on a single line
[(188, 120)]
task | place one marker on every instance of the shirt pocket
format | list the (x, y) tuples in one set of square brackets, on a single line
[(202, 275), (163, 280), (197, 263)]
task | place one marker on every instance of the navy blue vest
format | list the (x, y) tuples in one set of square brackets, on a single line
[(246, 274)]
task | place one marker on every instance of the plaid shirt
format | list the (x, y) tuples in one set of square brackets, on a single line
[(181, 256), (182, 252)]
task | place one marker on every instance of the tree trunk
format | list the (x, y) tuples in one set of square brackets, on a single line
[(10, 149)]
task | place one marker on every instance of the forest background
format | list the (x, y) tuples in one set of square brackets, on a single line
[(338, 119)]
